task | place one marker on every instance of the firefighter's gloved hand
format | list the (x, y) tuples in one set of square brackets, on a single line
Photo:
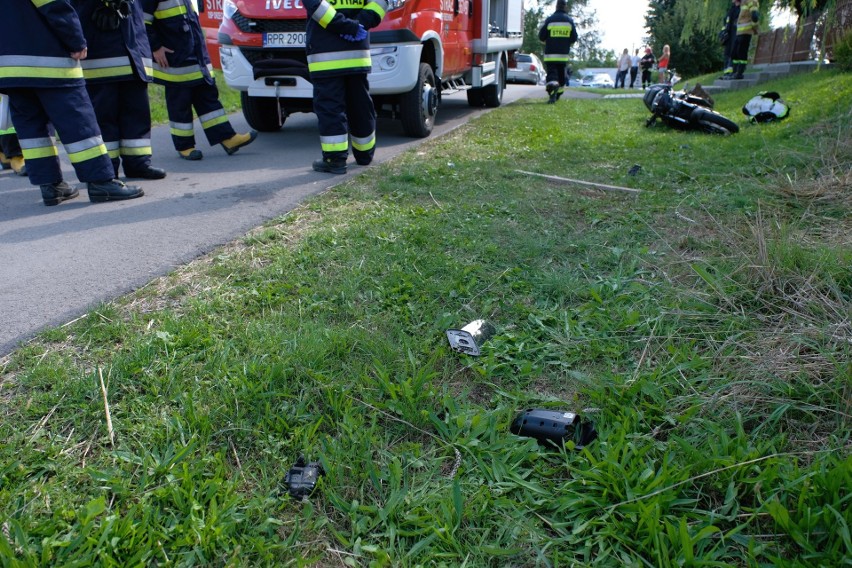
[(106, 18), (358, 36)]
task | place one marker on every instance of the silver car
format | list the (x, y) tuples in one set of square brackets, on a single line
[(528, 69)]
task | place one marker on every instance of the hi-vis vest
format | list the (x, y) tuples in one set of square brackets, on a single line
[(174, 24), (37, 36), (558, 34), (330, 55)]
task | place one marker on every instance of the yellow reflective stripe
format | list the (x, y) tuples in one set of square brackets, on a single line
[(181, 132), (175, 78), (84, 155), (43, 152), (340, 147), (113, 154), (170, 13), (324, 14), (364, 144), (107, 72), (340, 64), (140, 151), (40, 3), (41, 72), (7, 131), (214, 121)]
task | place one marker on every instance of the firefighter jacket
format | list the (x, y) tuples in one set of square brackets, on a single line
[(749, 15), (329, 55), (558, 34), (174, 24), (38, 38), (115, 55)]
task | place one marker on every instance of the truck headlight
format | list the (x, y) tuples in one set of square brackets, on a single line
[(228, 9)]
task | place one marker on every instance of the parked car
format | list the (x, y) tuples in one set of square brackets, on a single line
[(598, 81), (528, 69)]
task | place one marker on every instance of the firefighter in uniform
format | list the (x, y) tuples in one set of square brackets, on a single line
[(338, 48), (182, 64), (117, 72), (558, 34), (11, 155), (40, 70), (746, 27)]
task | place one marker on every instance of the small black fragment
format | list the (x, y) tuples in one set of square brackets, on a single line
[(553, 427), (634, 170), (302, 478)]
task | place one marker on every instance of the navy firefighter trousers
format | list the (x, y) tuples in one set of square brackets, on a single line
[(33, 109), (343, 106), (180, 100), (124, 116)]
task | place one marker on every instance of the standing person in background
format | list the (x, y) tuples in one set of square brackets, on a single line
[(623, 68), (40, 71), (558, 34), (647, 64), (182, 64), (117, 72), (11, 155), (746, 27), (634, 67), (339, 61), (663, 64), (729, 35)]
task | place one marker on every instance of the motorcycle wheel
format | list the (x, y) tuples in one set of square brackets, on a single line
[(713, 122)]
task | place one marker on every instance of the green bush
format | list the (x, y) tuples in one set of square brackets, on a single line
[(843, 53)]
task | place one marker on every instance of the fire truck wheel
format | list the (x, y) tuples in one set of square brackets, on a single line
[(493, 94), (418, 107), (475, 98), (262, 113)]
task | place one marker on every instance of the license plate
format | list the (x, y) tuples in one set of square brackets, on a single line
[(284, 39)]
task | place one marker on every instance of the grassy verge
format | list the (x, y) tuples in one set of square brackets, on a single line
[(703, 325)]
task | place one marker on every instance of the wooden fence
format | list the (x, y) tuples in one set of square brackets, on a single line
[(803, 43)]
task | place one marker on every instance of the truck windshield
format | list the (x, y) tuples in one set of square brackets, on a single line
[(394, 4)]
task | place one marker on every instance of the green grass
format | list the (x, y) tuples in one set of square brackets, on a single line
[(703, 326)]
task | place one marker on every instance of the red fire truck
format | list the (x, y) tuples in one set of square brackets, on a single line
[(210, 16), (422, 50)]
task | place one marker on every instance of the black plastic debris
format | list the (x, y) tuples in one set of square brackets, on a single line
[(634, 170), (302, 478), (554, 427), (470, 338)]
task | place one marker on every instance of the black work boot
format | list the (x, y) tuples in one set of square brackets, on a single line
[(739, 69), (56, 193), (330, 165), (112, 190)]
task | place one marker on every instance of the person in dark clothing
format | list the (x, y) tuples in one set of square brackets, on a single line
[(117, 72), (647, 65), (182, 65), (40, 71), (558, 34), (729, 33), (338, 48), (746, 27)]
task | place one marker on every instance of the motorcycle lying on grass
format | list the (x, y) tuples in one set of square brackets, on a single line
[(684, 111)]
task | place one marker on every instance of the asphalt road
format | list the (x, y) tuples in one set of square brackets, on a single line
[(58, 262)]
